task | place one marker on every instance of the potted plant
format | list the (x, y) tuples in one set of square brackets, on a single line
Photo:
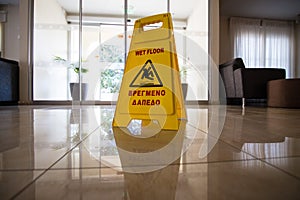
[(75, 86)]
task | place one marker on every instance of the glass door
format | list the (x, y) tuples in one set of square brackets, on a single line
[(96, 43), (51, 33)]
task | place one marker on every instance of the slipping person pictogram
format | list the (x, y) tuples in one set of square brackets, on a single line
[(147, 77)]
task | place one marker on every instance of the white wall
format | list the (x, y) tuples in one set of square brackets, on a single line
[(11, 33), (214, 51), (50, 39), (297, 53), (225, 48), (49, 36), (197, 52), (49, 12), (25, 86), (197, 24), (198, 30)]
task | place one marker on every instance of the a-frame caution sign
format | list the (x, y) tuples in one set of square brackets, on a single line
[(151, 88)]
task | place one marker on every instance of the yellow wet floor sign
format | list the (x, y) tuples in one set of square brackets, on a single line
[(151, 88)]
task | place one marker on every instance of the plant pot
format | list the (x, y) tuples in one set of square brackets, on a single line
[(74, 88), (184, 87)]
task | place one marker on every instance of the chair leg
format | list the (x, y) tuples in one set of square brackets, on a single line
[(243, 106), (243, 102)]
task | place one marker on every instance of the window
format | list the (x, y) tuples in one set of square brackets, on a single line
[(97, 42), (263, 43)]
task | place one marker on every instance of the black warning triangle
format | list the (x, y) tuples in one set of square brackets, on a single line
[(147, 77)]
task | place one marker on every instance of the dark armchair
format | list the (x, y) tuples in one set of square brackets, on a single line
[(247, 83), (9, 81)]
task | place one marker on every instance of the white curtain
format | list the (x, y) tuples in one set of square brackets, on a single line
[(263, 43)]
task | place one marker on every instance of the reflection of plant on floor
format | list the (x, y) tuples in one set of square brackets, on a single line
[(110, 80), (76, 138), (70, 141), (107, 137), (106, 122)]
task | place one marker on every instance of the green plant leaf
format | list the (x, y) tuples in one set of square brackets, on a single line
[(83, 70)]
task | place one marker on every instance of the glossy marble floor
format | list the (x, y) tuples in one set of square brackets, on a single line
[(72, 152)]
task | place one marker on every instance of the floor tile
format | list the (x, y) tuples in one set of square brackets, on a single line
[(11, 182), (37, 138), (101, 149), (290, 164), (263, 132), (212, 150), (251, 179), (228, 154)]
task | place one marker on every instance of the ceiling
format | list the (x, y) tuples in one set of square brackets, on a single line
[(180, 9), (270, 9)]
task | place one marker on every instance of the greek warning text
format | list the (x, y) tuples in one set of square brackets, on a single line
[(145, 102), (146, 93)]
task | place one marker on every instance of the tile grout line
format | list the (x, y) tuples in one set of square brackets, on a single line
[(264, 161), (107, 167), (255, 157), (49, 168), (70, 150), (186, 163)]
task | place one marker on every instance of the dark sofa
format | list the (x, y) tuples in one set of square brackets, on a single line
[(247, 83), (9, 82)]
